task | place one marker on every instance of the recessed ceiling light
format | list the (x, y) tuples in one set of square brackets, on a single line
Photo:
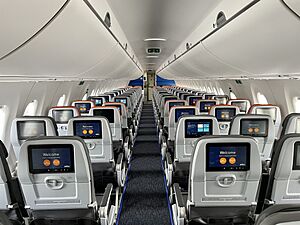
[(155, 39), (151, 56), (151, 63)]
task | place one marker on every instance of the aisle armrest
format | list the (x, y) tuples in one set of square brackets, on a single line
[(106, 209)]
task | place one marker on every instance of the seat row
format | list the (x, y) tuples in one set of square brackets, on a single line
[(219, 179), (74, 178)]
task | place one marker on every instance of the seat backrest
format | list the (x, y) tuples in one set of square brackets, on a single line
[(221, 99), (284, 186), (95, 131), (163, 102), (271, 110), (208, 96), (169, 104), (243, 104), (225, 171), (83, 106), (55, 174), (127, 102), (290, 124), (123, 112), (98, 100), (26, 127), (260, 127), (224, 115), (62, 115), (175, 113), (113, 116), (204, 106), (192, 100), (189, 129)]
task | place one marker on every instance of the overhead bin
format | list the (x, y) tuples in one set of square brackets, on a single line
[(199, 63), (70, 45), (293, 5), (20, 20), (264, 40)]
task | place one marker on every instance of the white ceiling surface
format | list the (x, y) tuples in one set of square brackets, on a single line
[(173, 20), (75, 45)]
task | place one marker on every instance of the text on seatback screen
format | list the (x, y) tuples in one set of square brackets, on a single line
[(227, 157), (197, 128), (206, 106), (254, 128), (107, 113), (83, 107), (88, 129), (225, 114), (51, 159), (181, 112), (30, 129), (62, 116)]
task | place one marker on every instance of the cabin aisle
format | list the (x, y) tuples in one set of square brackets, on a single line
[(144, 199)]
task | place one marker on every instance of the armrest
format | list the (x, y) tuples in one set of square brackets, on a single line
[(178, 195), (169, 159), (164, 147), (169, 169), (127, 149), (121, 170), (106, 209)]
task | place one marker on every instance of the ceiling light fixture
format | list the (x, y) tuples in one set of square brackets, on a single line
[(151, 56), (151, 63), (155, 39)]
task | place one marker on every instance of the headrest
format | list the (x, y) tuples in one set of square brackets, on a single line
[(177, 111), (291, 124), (83, 106), (224, 113), (243, 104), (267, 109)]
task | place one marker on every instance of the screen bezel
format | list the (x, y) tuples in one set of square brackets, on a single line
[(206, 103), (87, 121), (43, 171), (94, 100), (120, 100), (77, 103), (295, 166), (176, 110), (21, 138), (194, 97), (261, 119), (199, 121), (224, 120), (97, 109), (217, 169)]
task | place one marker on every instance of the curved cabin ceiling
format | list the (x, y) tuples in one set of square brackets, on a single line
[(172, 20)]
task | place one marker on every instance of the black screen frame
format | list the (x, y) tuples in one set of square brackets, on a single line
[(87, 121), (224, 120), (259, 119), (110, 121), (199, 121)]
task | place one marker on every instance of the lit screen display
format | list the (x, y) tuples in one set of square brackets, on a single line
[(254, 127), (197, 128), (181, 112), (193, 100), (51, 159), (88, 129), (62, 116), (206, 106), (208, 97), (122, 100), (83, 107), (97, 101), (172, 104), (30, 129), (228, 157), (225, 114)]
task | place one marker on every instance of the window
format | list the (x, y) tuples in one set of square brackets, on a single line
[(296, 103), (221, 91), (209, 90), (261, 98), (31, 108), (61, 100), (85, 96), (107, 20), (4, 112), (93, 92), (232, 95)]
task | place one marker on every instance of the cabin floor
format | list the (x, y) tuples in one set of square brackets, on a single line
[(145, 200)]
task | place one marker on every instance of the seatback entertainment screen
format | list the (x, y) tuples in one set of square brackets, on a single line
[(122, 100), (108, 113), (254, 127), (97, 101), (83, 107), (51, 159), (197, 128), (241, 104), (88, 129), (206, 106), (225, 114), (193, 100), (228, 157), (62, 116), (267, 111), (180, 112), (30, 129), (172, 104)]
